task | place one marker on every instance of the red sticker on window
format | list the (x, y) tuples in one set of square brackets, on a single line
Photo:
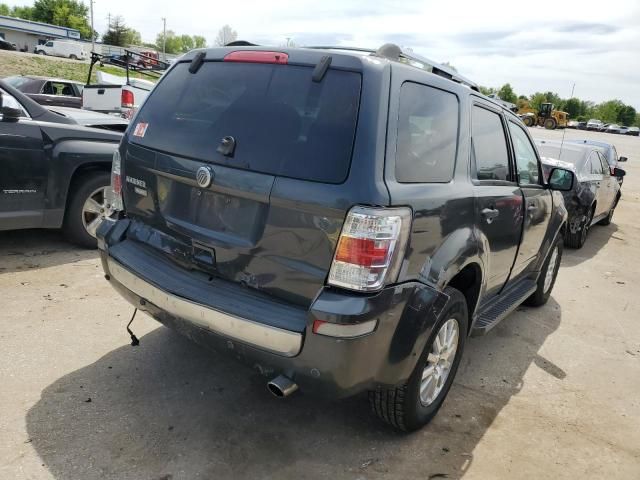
[(140, 130)]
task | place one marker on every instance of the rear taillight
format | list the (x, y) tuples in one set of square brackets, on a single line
[(126, 99), (116, 182), (370, 248)]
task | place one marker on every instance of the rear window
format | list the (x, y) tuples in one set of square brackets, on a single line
[(282, 122), (427, 134)]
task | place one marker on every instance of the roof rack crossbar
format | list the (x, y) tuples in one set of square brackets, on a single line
[(411, 58)]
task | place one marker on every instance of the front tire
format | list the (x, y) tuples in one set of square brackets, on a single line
[(550, 124), (410, 406), (528, 121), (87, 209), (547, 278)]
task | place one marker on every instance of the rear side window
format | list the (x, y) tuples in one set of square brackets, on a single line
[(596, 166), (489, 145), (282, 122), (427, 134)]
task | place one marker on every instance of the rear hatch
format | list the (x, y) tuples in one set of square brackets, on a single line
[(272, 149)]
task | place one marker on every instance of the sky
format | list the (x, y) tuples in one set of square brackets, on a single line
[(543, 45)]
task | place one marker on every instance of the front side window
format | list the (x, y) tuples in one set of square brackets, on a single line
[(427, 134), (526, 159), (49, 44), (489, 146)]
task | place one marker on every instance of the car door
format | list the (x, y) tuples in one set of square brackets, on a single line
[(609, 185), (498, 198), (24, 170), (596, 179), (537, 198)]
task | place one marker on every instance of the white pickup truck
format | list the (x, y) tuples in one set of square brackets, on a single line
[(112, 94), (121, 95)]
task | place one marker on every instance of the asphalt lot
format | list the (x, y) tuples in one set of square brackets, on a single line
[(551, 393)]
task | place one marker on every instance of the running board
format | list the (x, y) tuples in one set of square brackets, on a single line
[(501, 306)]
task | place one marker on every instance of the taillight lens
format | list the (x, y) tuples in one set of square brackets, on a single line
[(257, 56), (116, 182), (370, 248), (126, 99)]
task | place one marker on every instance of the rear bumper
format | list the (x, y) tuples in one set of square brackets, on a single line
[(328, 366)]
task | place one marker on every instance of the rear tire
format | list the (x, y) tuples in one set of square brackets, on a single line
[(73, 57), (550, 124), (548, 274), (577, 239), (403, 407), (75, 216)]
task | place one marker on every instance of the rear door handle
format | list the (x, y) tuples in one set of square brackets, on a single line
[(490, 213)]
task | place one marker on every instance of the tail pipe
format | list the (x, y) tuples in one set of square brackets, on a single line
[(282, 386)]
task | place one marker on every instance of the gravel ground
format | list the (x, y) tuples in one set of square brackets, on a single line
[(551, 393)]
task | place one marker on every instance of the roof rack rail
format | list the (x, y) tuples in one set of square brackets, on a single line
[(393, 52)]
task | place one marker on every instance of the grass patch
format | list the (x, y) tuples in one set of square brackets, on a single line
[(16, 63)]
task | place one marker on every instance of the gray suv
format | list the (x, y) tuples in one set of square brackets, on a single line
[(340, 219)]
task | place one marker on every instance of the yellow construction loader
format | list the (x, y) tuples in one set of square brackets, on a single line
[(546, 117)]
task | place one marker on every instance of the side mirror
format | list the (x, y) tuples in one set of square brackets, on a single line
[(11, 114), (618, 172), (561, 179), (622, 159)]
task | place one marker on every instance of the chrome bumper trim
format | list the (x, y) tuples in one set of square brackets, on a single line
[(276, 340)]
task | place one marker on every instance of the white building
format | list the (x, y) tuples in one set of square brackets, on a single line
[(27, 34)]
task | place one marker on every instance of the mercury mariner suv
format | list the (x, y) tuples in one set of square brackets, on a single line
[(340, 219)]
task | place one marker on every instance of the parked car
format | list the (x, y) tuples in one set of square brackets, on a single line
[(608, 150), (55, 167), (63, 48), (49, 91), (572, 124), (623, 130), (582, 126), (603, 127), (635, 131), (362, 267), (4, 45), (613, 128), (595, 192), (594, 124)]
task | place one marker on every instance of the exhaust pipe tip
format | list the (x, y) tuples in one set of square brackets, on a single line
[(282, 386)]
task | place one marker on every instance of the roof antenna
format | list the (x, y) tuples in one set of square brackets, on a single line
[(564, 130)]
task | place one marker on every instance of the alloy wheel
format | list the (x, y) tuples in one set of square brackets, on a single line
[(439, 361)]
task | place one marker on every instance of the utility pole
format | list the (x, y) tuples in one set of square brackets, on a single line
[(164, 39), (93, 37)]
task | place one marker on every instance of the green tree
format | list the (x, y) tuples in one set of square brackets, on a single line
[(573, 107), (66, 13), (626, 115), (19, 12), (537, 99), (199, 41), (118, 34), (507, 94), (486, 90), (173, 42), (187, 43)]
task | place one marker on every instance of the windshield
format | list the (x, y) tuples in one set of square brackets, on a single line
[(282, 123)]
